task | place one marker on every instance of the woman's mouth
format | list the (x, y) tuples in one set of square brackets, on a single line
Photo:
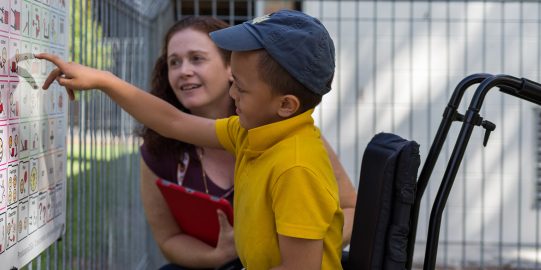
[(188, 87)]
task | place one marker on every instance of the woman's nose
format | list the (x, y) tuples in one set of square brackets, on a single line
[(186, 70)]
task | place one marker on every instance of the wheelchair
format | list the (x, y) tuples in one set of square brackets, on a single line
[(390, 193)]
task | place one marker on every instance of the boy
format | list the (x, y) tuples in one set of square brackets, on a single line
[(287, 213)]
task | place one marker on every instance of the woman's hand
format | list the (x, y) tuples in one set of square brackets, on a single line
[(225, 248), (72, 75)]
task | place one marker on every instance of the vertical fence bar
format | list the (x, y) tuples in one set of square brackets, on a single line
[(446, 153), (109, 198), (538, 175), (68, 262), (118, 55), (392, 86), (520, 136), (113, 198), (109, 157), (357, 90), (231, 12), (104, 13), (93, 148), (130, 197), (249, 8), (375, 20), (196, 7), (410, 66), (81, 164), (464, 164), (214, 8), (483, 157), (86, 147), (122, 235), (502, 149), (101, 142), (137, 73)]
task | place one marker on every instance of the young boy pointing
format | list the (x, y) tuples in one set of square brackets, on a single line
[(287, 213)]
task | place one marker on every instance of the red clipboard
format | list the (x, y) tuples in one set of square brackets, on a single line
[(195, 211)]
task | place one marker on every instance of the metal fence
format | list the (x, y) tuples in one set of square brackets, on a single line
[(397, 63), (105, 224)]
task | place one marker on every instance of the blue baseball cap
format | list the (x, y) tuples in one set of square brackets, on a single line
[(298, 42)]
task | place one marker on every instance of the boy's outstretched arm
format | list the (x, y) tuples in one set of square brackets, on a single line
[(299, 254), (152, 111)]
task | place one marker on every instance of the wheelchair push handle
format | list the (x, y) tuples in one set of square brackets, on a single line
[(528, 90), (531, 89), (519, 87)]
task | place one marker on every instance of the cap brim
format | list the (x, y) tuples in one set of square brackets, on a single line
[(235, 38)]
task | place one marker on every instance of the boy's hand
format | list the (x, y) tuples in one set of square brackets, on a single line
[(226, 241), (72, 75)]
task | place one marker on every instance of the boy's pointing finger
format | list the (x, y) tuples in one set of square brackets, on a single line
[(50, 57)]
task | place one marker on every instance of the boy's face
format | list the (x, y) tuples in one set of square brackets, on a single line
[(255, 102)]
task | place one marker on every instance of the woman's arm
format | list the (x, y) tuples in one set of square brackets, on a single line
[(177, 247), (348, 195)]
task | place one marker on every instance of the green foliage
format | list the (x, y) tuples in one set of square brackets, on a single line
[(87, 46)]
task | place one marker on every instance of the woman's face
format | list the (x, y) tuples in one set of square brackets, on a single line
[(197, 74)]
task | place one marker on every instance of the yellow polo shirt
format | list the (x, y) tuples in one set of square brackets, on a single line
[(284, 184)]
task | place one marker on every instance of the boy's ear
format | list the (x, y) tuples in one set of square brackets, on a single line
[(289, 105), (229, 73)]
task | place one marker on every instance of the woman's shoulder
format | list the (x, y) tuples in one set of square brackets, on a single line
[(161, 163)]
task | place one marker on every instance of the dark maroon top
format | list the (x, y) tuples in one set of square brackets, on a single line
[(165, 166)]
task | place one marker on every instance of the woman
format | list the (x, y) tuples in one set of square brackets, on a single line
[(194, 75)]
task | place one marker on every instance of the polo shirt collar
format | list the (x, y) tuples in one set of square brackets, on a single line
[(263, 137)]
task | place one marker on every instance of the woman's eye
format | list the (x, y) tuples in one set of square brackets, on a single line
[(173, 62), (197, 58)]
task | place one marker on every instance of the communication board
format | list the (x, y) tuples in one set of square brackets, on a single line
[(33, 125)]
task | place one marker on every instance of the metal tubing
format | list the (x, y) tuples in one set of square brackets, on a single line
[(471, 119), (449, 116), (445, 187)]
